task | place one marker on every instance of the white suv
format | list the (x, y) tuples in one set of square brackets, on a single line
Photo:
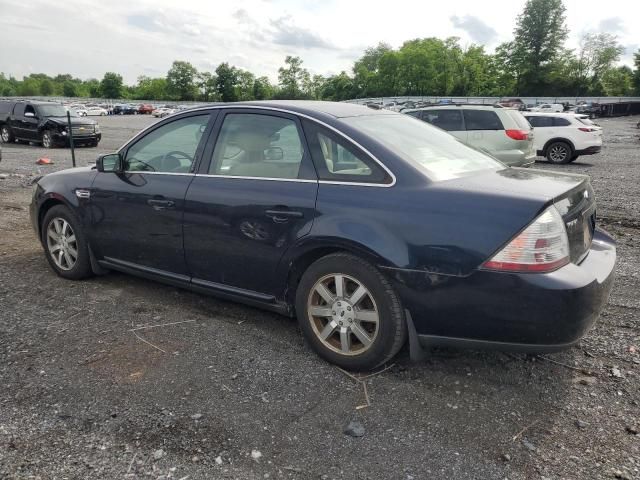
[(548, 108), (501, 132), (563, 137)]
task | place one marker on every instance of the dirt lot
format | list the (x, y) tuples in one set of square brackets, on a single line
[(83, 396)]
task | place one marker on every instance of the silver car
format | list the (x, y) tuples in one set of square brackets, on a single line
[(501, 132)]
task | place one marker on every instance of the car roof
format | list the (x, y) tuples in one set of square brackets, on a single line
[(452, 106), (550, 114), (311, 107)]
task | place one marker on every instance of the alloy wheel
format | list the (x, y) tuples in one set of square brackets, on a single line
[(5, 134), (558, 153), (46, 140), (62, 244), (343, 314)]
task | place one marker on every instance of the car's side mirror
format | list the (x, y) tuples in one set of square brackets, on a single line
[(110, 162), (29, 115)]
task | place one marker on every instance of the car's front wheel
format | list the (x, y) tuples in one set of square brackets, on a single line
[(6, 134), (349, 312), (47, 139), (559, 152), (65, 244)]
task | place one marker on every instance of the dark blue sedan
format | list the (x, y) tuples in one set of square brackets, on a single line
[(370, 226)]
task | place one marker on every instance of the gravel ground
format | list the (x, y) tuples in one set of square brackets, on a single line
[(234, 392)]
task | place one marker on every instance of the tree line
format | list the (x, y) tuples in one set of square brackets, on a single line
[(535, 63)]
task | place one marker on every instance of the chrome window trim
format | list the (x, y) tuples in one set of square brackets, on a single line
[(272, 179), (158, 173), (290, 112)]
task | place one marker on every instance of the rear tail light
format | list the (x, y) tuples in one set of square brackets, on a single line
[(541, 247), (518, 134), (587, 129)]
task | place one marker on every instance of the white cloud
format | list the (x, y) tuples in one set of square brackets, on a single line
[(137, 37)]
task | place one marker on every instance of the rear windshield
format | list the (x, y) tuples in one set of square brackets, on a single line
[(440, 155), (517, 117), (585, 120)]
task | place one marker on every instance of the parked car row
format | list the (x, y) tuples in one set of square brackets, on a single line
[(517, 137)]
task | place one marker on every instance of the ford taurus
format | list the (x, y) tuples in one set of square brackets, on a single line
[(368, 225)]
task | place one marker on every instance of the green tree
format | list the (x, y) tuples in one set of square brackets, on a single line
[(92, 86), (150, 88), (111, 85), (618, 82), (46, 87), (597, 54), (539, 35), (244, 86), (181, 79), (262, 89), (69, 89), (291, 77), (29, 87), (338, 87), (226, 81), (206, 83), (366, 70)]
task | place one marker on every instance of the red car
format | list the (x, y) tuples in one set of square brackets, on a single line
[(145, 108)]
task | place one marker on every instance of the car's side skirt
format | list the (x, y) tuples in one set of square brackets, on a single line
[(226, 292)]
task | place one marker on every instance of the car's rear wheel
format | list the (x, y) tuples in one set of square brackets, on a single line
[(349, 312), (47, 139), (559, 152), (65, 244), (6, 134)]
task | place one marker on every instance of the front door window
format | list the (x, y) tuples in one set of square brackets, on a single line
[(170, 148)]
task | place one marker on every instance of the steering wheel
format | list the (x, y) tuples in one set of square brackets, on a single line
[(148, 167), (178, 153), (175, 154)]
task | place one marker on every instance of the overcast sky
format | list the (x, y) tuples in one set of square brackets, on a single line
[(143, 37)]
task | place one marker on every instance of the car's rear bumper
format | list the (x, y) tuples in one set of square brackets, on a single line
[(516, 158), (589, 150), (523, 311)]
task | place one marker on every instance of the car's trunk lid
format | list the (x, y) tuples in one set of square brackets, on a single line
[(578, 210), (570, 193)]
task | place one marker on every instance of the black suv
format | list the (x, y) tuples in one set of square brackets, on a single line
[(44, 122)]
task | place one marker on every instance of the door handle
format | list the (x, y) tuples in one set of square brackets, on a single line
[(161, 204), (282, 216)]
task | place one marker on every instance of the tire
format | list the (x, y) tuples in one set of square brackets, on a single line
[(326, 333), (54, 222), (559, 152), (6, 134), (46, 139)]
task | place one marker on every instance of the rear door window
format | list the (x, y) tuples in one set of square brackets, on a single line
[(482, 120), (336, 159), (446, 119), (258, 146), (561, 122), (540, 121), (18, 111)]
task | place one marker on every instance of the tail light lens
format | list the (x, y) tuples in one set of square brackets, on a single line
[(541, 247), (587, 129), (518, 134)]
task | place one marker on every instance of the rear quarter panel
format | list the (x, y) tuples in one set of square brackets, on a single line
[(436, 228)]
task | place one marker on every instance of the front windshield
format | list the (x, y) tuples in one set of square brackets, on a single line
[(53, 111), (440, 155)]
